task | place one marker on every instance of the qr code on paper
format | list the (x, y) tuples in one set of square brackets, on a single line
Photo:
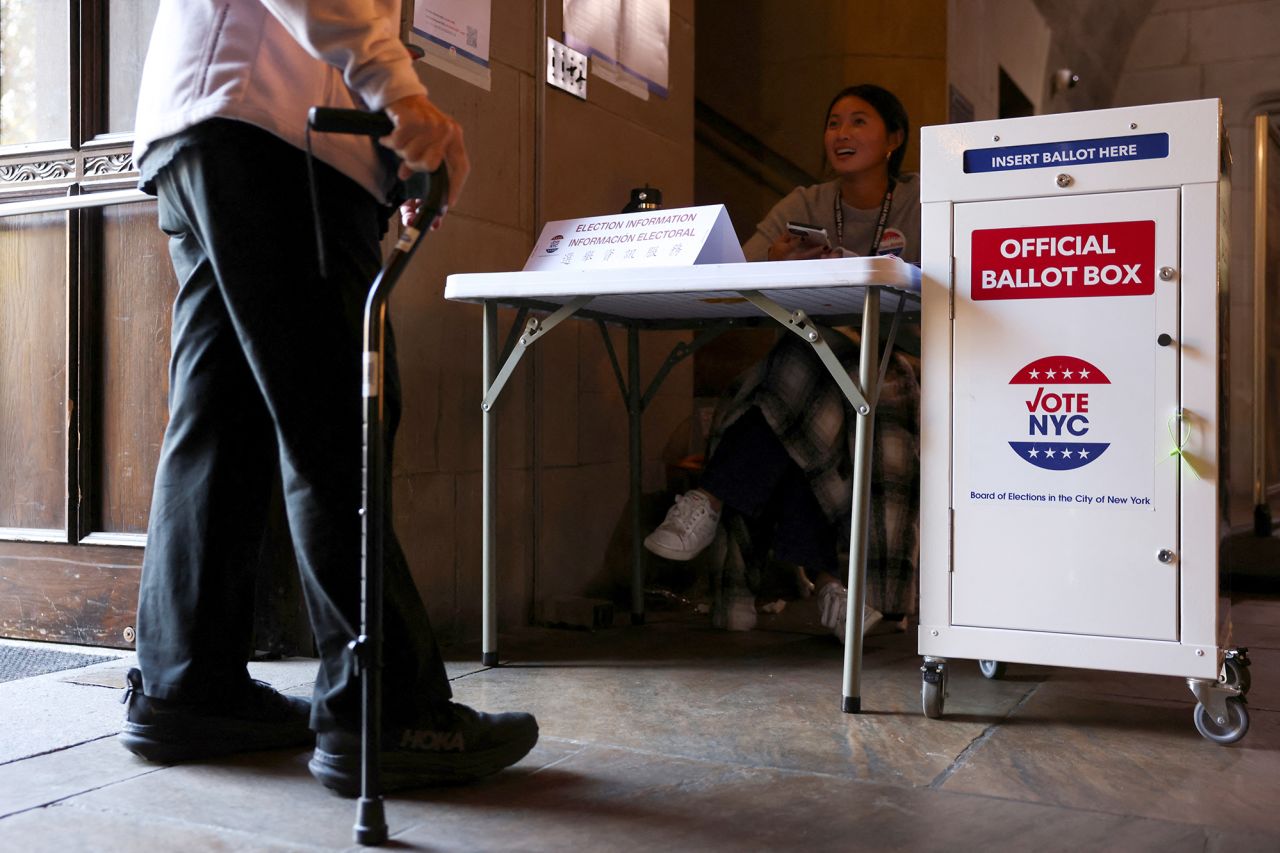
[(473, 37)]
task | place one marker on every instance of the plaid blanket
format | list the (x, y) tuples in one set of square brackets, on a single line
[(810, 415)]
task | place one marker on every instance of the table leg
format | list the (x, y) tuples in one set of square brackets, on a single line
[(868, 375), (495, 379), (488, 559), (634, 414)]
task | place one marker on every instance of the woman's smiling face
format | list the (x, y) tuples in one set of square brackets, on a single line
[(856, 139)]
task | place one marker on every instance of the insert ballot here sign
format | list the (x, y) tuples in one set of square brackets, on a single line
[(1075, 152)]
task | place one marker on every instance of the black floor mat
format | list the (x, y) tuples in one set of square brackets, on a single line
[(23, 661)]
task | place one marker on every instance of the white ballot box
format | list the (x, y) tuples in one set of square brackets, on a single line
[(1073, 467)]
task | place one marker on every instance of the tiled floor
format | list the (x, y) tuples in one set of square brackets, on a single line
[(674, 736)]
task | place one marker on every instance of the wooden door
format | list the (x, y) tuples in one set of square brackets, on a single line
[(85, 289)]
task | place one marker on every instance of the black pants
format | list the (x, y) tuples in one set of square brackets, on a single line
[(265, 377), (754, 475)]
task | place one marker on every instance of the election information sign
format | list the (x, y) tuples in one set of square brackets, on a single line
[(651, 238)]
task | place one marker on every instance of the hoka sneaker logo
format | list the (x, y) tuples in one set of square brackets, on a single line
[(424, 740)]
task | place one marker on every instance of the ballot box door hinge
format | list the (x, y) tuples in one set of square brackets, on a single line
[(951, 291), (951, 540)]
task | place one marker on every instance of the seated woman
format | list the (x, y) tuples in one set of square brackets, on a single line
[(783, 459)]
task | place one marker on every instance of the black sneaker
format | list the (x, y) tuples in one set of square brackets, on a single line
[(254, 716), (459, 745)]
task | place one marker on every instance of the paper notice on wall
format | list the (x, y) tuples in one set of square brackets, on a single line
[(455, 37), (627, 38)]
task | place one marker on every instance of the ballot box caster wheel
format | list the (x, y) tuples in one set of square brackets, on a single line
[(1229, 727), (932, 698), (1235, 670), (933, 687), (993, 669)]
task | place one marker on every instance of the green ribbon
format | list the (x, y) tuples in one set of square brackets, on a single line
[(1180, 435)]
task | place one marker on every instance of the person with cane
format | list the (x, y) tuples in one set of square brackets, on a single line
[(261, 339)]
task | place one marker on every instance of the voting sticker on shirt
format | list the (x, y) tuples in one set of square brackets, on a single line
[(892, 242)]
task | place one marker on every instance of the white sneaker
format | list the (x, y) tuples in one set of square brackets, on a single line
[(833, 606), (690, 526)]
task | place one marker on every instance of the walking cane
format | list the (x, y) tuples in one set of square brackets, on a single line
[(371, 823)]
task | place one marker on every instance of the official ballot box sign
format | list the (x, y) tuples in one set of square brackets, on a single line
[(1071, 492)]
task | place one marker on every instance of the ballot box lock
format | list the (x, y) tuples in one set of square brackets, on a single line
[(1165, 555)]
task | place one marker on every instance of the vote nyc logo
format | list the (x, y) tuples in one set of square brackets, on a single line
[(1061, 395)]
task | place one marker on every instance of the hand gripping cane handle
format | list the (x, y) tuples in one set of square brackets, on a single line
[(432, 188), (360, 122)]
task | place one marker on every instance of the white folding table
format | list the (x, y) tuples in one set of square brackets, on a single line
[(801, 296)]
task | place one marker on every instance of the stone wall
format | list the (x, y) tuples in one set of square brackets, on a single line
[(562, 447), (773, 71), (1188, 49)]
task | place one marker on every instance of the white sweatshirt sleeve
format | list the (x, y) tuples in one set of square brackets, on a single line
[(358, 37)]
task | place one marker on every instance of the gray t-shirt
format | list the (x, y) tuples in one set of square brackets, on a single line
[(815, 205)]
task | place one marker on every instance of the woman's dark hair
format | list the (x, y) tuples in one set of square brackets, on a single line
[(891, 111)]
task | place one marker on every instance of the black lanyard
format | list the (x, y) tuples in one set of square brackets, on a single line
[(884, 218)]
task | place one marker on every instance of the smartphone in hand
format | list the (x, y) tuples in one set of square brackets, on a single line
[(813, 235)]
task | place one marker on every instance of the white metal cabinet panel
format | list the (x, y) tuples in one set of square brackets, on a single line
[(935, 413), (1063, 490), (1192, 128), (1203, 284)]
